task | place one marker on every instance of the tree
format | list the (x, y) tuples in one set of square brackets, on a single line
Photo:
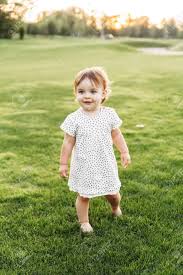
[(136, 27), (7, 24), (92, 26), (109, 25), (52, 28), (73, 21), (180, 33), (155, 32), (21, 33), (170, 28), (11, 15)]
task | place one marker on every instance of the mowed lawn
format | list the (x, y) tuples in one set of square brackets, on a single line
[(39, 232)]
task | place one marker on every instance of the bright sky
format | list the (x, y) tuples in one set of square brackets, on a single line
[(155, 9)]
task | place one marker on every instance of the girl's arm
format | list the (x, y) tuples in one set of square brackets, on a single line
[(119, 141), (121, 145), (65, 153)]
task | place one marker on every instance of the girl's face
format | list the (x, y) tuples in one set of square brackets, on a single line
[(89, 96)]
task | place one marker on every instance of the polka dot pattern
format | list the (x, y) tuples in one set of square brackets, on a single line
[(93, 168)]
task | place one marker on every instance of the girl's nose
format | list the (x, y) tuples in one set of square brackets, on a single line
[(87, 95)]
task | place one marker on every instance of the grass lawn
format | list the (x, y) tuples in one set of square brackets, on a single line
[(39, 232)]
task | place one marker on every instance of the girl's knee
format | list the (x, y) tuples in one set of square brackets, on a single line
[(114, 197)]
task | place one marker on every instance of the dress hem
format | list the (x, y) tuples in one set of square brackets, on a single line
[(95, 195)]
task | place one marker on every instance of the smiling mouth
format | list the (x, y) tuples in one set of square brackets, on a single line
[(87, 102)]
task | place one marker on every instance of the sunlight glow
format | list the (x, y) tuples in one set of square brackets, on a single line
[(117, 25), (156, 10)]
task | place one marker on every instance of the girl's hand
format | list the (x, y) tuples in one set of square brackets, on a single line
[(125, 159), (63, 170)]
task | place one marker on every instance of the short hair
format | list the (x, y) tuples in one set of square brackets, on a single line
[(97, 75)]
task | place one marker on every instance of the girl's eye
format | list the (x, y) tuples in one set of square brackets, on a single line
[(93, 91), (80, 92)]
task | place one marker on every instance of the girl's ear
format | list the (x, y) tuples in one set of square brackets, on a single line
[(104, 93)]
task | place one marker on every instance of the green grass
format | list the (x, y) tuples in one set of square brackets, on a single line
[(145, 43), (178, 46), (39, 233)]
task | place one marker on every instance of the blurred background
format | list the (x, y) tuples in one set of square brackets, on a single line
[(155, 19)]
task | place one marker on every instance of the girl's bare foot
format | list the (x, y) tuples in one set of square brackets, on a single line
[(117, 212), (86, 227)]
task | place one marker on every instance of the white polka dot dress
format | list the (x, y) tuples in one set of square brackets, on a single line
[(93, 166)]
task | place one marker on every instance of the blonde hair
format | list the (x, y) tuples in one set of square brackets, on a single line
[(96, 75)]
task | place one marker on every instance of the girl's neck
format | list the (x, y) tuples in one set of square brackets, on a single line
[(92, 113)]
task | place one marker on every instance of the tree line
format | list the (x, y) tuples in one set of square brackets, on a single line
[(76, 22)]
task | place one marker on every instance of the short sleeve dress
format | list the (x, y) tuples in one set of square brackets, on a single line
[(93, 166)]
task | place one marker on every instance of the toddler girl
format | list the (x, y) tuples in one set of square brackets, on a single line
[(90, 133)]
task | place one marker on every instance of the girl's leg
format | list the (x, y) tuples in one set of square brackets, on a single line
[(114, 200), (82, 207)]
